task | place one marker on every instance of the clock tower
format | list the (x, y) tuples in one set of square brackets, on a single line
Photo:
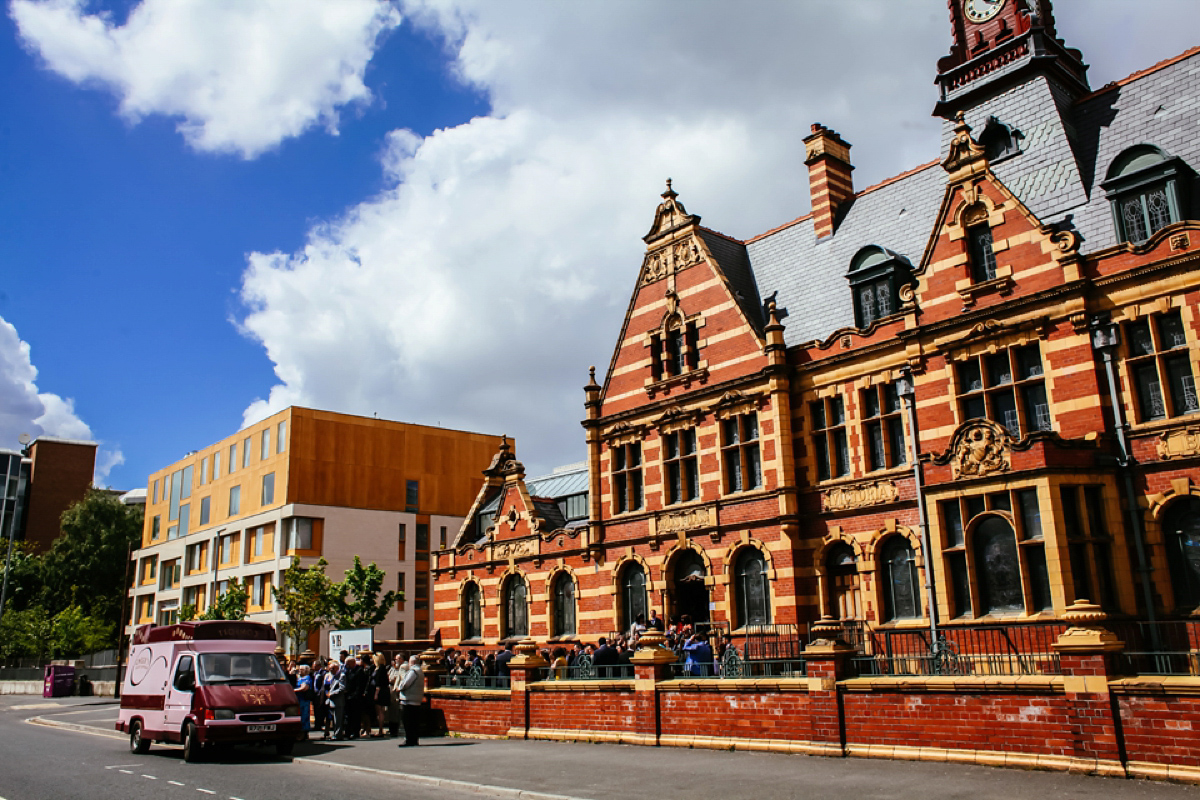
[(998, 43)]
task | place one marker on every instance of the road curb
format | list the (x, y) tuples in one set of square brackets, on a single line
[(447, 783), (427, 780)]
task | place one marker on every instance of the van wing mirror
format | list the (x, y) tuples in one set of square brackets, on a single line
[(186, 682)]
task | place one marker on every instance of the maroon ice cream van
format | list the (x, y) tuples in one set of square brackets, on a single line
[(201, 684)]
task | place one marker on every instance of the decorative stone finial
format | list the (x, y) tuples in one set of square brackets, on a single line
[(669, 193)]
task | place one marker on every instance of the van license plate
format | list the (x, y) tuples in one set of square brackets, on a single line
[(259, 728)]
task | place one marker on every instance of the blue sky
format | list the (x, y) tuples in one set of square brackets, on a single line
[(429, 210)]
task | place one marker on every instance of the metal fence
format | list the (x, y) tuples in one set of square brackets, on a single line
[(980, 650), (1167, 647)]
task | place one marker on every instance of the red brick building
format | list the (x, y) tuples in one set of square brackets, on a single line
[(49, 476), (967, 392)]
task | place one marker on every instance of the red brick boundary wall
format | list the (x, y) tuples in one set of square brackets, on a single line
[(1085, 720)]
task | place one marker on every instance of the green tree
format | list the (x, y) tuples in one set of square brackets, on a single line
[(73, 633), (24, 577), (86, 566), (367, 609), (307, 597), (187, 612), (231, 605), (26, 633)]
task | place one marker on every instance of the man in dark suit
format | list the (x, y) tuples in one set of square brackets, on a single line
[(605, 659), (356, 691), (502, 662)]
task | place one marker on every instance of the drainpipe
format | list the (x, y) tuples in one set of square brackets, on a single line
[(906, 388), (1105, 340)]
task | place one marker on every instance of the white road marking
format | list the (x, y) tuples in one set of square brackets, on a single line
[(127, 771), (28, 706), (118, 766), (176, 783), (206, 791), (151, 777)]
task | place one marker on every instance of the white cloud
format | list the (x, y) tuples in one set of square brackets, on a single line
[(24, 409), (241, 76), (476, 290)]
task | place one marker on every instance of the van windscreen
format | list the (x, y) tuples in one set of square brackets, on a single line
[(239, 668)]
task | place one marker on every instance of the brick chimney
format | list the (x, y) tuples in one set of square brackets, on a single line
[(828, 158)]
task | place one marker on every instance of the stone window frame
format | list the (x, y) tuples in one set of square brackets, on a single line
[(1175, 401), (872, 270)]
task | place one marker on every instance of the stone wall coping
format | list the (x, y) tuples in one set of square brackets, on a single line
[(1157, 684), (800, 684), (955, 683), (567, 685), (470, 694)]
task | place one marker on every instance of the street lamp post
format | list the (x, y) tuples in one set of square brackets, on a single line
[(1106, 338), (906, 388)]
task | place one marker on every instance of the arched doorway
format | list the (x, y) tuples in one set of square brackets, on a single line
[(1181, 531), (688, 587)]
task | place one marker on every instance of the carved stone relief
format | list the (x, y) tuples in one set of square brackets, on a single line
[(514, 549), (859, 495), (1179, 443), (688, 519), (979, 448), (672, 258)]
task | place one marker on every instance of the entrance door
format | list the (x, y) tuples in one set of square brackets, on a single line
[(691, 594)]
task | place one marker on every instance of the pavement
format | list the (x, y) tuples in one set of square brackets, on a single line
[(538, 770)]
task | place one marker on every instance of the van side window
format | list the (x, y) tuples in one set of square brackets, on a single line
[(185, 675)]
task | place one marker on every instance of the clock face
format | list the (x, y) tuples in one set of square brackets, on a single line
[(982, 10)]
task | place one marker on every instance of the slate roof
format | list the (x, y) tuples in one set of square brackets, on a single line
[(733, 261), (545, 492), (1066, 150)]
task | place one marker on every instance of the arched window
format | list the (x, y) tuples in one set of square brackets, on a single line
[(997, 567), (753, 595), (563, 592), (842, 572), (876, 275), (516, 607), (1181, 527), (901, 596), (472, 620), (633, 594), (1144, 188)]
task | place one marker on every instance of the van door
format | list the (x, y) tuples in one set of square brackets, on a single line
[(179, 693)]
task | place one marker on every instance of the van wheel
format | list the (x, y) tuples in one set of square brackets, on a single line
[(283, 747), (137, 744), (191, 744)]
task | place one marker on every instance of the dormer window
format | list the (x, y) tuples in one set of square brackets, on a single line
[(876, 275), (1143, 186), (999, 141)]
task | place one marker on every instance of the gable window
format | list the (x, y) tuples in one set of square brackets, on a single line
[(627, 476), (679, 456), (829, 438), (883, 427), (472, 623), (980, 254), (516, 608), (674, 350), (633, 594), (1007, 387), (901, 596), (1158, 357), (1144, 188), (740, 451), (876, 275), (753, 594), (564, 605), (999, 141)]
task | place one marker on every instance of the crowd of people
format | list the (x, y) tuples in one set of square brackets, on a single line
[(360, 696)]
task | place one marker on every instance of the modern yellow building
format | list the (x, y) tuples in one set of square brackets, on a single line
[(310, 484)]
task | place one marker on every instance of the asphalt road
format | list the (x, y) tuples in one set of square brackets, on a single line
[(70, 750)]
